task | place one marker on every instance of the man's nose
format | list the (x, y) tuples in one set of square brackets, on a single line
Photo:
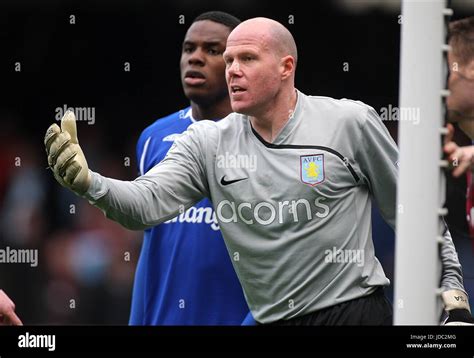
[(197, 58), (234, 69)]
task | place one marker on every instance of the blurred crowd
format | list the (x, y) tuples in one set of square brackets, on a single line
[(85, 262)]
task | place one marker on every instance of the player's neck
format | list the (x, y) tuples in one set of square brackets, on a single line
[(214, 111), (270, 123)]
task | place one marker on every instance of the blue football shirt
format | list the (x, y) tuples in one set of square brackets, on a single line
[(184, 274)]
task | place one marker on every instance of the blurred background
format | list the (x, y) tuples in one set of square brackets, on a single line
[(120, 60)]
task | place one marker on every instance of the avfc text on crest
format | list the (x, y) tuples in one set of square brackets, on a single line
[(312, 169)]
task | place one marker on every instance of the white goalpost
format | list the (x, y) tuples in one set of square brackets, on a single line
[(421, 184)]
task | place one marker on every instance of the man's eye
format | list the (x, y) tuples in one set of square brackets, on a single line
[(187, 49), (248, 58), (213, 51)]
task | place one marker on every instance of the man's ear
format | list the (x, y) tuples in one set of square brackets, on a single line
[(288, 65)]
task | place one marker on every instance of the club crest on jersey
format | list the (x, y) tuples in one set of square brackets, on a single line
[(312, 169)]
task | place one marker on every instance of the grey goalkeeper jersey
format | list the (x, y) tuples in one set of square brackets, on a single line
[(295, 214)]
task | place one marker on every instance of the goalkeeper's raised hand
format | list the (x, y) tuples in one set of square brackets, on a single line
[(65, 156)]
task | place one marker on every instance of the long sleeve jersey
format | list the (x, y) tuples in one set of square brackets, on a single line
[(295, 214)]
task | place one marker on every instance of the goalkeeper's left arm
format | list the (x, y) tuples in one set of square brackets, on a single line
[(377, 156), (455, 299)]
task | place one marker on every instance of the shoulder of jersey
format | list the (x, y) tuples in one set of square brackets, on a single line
[(205, 124), (169, 127), (212, 130), (231, 120), (334, 103), (342, 109)]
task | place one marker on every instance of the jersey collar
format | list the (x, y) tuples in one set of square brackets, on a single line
[(289, 125)]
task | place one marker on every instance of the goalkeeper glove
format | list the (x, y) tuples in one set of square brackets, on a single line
[(456, 305), (65, 156)]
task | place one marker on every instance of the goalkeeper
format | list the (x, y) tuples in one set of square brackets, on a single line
[(291, 179)]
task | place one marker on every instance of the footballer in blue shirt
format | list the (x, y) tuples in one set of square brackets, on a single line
[(184, 274)]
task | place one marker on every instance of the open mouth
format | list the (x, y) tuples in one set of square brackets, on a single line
[(237, 89)]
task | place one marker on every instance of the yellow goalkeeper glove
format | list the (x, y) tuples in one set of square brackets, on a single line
[(65, 156)]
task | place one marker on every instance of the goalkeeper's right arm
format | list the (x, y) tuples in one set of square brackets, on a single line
[(168, 189)]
